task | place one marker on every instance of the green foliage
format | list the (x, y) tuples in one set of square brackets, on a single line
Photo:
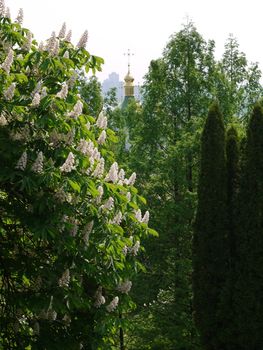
[(70, 230), (248, 292), (90, 90), (210, 246)]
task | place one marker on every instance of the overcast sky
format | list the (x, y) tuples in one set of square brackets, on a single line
[(144, 26)]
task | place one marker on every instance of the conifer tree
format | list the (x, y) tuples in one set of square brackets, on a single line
[(249, 286), (210, 252)]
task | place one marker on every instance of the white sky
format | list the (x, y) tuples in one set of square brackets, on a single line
[(144, 26)]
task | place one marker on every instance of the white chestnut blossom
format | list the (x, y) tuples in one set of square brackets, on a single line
[(69, 164), (28, 43), (99, 197), (22, 162), (124, 287), (125, 250), (102, 121), (77, 110), (99, 298), (66, 54), (87, 231), (63, 196), (88, 125), (138, 215), (63, 92), (102, 137), (3, 120), (86, 147), (109, 204), (36, 100), (6, 65), (65, 279), (83, 40), (68, 36), (2, 7), (41, 46), (121, 174), (113, 304), (51, 315), (43, 92), (99, 170), (62, 31), (117, 218), (128, 196), (7, 13), (113, 173), (135, 248), (55, 51), (9, 92), (51, 42), (132, 179), (146, 217), (37, 167), (20, 16)]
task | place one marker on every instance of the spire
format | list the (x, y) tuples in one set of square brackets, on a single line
[(128, 85)]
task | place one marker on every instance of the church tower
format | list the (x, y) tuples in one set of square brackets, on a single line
[(128, 85)]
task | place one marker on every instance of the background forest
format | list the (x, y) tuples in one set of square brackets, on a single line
[(80, 268)]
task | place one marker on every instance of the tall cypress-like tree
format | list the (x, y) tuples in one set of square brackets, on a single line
[(210, 246), (249, 286)]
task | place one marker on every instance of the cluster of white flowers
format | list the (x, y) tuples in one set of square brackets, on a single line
[(117, 218), (99, 298), (66, 319), (8, 13), (62, 31), (113, 173), (51, 315), (66, 54), (146, 217), (72, 79), (68, 36), (134, 250), (65, 279), (63, 196), (63, 93), (83, 40), (87, 231), (99, 170), (102, 121), (2, 8), (9, 92), (22, 162), (28, 43), (3, 120), (86, 147), (37, 167), (132, 179), (43, 92), (77, 110), (125, 250), (74, 229), (138, 215), (128, 196), (109, 204), (53, 44), (36, 100), (124, 287), (6, 65), (99, 197), (113, 304), (69, 164), (102, 137), (121, 176), (20, 16)]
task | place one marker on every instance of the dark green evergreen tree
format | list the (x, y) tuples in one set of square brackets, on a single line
[(248, 294), (210, 246)]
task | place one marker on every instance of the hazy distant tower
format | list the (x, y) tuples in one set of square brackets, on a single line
[(128, 85)]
